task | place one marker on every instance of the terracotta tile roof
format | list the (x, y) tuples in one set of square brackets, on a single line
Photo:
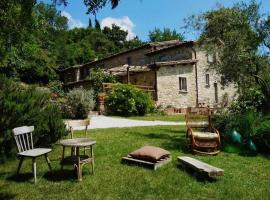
[(157, 45), (177, 62), (122, 70), (181, 44)]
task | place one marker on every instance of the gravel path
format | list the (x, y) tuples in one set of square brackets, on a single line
[(113, 122)]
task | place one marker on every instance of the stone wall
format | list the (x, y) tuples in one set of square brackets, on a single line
[(181, 53), (214, 94), (168, 86), (207, 92)]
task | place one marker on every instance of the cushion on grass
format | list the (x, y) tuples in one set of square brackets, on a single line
[(150, 153)]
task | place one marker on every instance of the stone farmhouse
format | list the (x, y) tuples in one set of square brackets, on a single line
[(178, 72)]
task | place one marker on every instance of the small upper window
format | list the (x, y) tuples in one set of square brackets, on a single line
[(183, 84), (129, 61), (211, 57), (207, 80)]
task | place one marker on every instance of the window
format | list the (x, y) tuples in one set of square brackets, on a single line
[(211, 57), (183, 84), (129, 61), (207, 80)]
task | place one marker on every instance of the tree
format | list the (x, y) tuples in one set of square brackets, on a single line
[(237, 35), (93, 5), (97, 25), (166, 34), (134, 43), (28, 40), (116, 35)]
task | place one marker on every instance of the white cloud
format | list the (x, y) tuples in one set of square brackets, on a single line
[(125, 23), (72, 23)]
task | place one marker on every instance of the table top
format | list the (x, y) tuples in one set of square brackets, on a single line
[(77, 142)]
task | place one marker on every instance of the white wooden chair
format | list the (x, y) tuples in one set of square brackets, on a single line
[(24, 141), (71, 124)]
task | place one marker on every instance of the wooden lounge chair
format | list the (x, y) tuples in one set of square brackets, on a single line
[(201, 136), (24, 141)]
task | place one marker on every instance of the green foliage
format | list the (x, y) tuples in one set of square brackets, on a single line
[(127, 100), (116, 35), (23, 105), (250, 99), (242, 60), (95, 5), (28, 40), (158, 35), (97, 77), (262, 136), (56, 87), (78, 104), (35, 41)]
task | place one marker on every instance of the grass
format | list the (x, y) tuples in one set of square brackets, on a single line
[(245, 177), (157, 117)]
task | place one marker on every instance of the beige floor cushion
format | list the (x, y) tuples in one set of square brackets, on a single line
[(150, 153)]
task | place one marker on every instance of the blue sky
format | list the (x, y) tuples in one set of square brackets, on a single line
[(140, 16)]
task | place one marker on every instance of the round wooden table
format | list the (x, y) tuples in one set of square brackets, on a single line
[(75, 159)]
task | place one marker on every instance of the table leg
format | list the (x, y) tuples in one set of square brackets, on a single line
[(79, 166), (92, 159), (63, 156)]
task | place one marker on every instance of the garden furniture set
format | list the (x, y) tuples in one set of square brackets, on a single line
[(201, 137), (24, 140)]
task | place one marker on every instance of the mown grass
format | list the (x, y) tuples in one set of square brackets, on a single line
[(158, 117), (245, 177)]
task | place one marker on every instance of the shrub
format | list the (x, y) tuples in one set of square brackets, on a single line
[(22, 105), (251, 99), (56, 87), (79, 102), (97, 77), (126, 100), (262, 135)]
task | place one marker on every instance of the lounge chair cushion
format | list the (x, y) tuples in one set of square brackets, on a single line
[(150, 153), (205, 135)]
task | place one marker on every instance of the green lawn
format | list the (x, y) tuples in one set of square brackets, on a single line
[(153, 117), (245, 177)]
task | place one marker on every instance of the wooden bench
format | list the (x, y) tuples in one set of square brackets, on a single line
[(200, 167)]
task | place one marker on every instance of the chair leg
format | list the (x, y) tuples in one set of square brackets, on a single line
[(92, 160), (48, 162), (79, 172), (34, 166), (20, 165)]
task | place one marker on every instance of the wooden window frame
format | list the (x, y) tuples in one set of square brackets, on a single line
[(207, 80), (183, 84)]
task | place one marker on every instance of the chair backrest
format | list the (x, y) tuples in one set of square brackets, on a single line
[(198, 118), (23, 138), (78, 123)]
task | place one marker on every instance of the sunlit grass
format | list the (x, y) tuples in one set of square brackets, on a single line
[(245, 177), (158, 117)]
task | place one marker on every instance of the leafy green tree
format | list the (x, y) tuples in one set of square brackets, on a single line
[(97, 25), (29, 39), (134, 43), (116, 35), (166, 34), (237, 35), (93, 5)]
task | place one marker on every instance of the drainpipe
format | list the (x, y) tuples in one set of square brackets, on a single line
[(196, 77), (128, 78)]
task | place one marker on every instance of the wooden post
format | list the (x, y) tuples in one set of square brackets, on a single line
[(128, 78)]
